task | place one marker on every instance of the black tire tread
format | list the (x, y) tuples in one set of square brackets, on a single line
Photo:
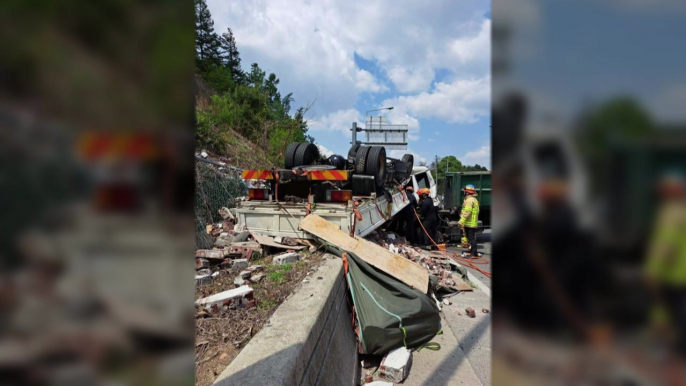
[(361, 159), (289, 156), (306, 154), (377, 156)]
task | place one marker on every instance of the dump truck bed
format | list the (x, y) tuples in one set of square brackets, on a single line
[(282, 219)]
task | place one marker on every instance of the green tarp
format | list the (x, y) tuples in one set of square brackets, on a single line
[(389, 313)]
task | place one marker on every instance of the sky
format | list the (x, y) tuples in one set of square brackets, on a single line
[(430, 60), (568, 54)]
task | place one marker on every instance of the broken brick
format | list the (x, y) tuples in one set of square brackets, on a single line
[(485, 310), (210, 253), (201, 263), (470, 312), (239, 265)]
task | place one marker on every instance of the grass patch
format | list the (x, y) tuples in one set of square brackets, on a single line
[(267, 304), (276, 277)]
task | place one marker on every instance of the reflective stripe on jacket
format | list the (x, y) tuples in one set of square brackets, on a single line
[(666, 260), (470, 212)]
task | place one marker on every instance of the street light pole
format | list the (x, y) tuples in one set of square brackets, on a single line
[(369, 111)]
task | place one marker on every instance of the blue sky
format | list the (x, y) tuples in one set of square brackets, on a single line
[(430, 60)]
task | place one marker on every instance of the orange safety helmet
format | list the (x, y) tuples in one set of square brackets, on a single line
[(423, 191)]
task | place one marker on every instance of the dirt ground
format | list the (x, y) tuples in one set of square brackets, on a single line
[(220, 337)]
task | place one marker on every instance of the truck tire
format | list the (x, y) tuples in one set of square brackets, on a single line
[(361, 159), (376, 164), (352, 153), (408, 159), (289, 157), (306, 154)]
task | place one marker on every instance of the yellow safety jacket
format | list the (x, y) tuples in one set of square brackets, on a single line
[(470, 212), (666, 260)]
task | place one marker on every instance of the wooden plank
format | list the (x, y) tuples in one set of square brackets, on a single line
[(268, 241), (461, 285), (395, 265)]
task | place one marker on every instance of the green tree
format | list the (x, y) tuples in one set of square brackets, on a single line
[(207, 42), (231, 58), (449, 163)]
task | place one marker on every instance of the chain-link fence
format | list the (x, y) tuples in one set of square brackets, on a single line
[(214, 189)]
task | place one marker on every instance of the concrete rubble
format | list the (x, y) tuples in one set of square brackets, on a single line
[(235, 298), (286, 258), (239, 265), (438, 265), (396, 365)]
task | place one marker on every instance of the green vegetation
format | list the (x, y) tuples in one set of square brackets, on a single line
[(450, 164), (276, 276), (245, 102)]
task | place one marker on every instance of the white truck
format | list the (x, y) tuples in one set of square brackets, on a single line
[(359, 193)]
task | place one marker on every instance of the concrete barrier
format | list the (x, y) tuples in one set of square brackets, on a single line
[(307, 341)]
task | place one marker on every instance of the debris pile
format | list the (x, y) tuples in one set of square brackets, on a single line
[(437, 265)]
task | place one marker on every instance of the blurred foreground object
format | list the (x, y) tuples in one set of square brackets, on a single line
[(582, 136), (96, 139)]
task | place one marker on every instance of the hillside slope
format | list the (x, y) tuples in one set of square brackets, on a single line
[(238, 150)]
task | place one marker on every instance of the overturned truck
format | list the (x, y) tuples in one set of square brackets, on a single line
[(359, 193)]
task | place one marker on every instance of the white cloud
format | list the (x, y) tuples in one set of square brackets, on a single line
[(476, 47), (411, 79), (463, 101), (481, 156), (365, 81), (340, 121), (324, 151)]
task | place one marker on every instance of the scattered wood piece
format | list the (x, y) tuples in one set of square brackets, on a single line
[(397, 266), (269, 242), (208, 228), (461, 284)]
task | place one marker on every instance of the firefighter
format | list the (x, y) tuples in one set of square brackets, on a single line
[(429, 216), (469, 218), (409, 217), (666, 260)]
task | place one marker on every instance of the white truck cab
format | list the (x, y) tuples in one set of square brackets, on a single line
[(422, 178)]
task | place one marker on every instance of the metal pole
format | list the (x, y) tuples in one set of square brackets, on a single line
[(354, 129)]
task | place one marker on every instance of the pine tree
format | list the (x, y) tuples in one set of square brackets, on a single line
[(256, 76), (206, 40), (231, 59)]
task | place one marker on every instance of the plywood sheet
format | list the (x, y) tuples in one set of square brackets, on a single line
[(395, 265)]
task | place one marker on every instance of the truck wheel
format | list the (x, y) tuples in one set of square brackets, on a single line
[(376, 164), (361, 159), (409, 159), (306, 154), (289, 157), (351, 153)]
